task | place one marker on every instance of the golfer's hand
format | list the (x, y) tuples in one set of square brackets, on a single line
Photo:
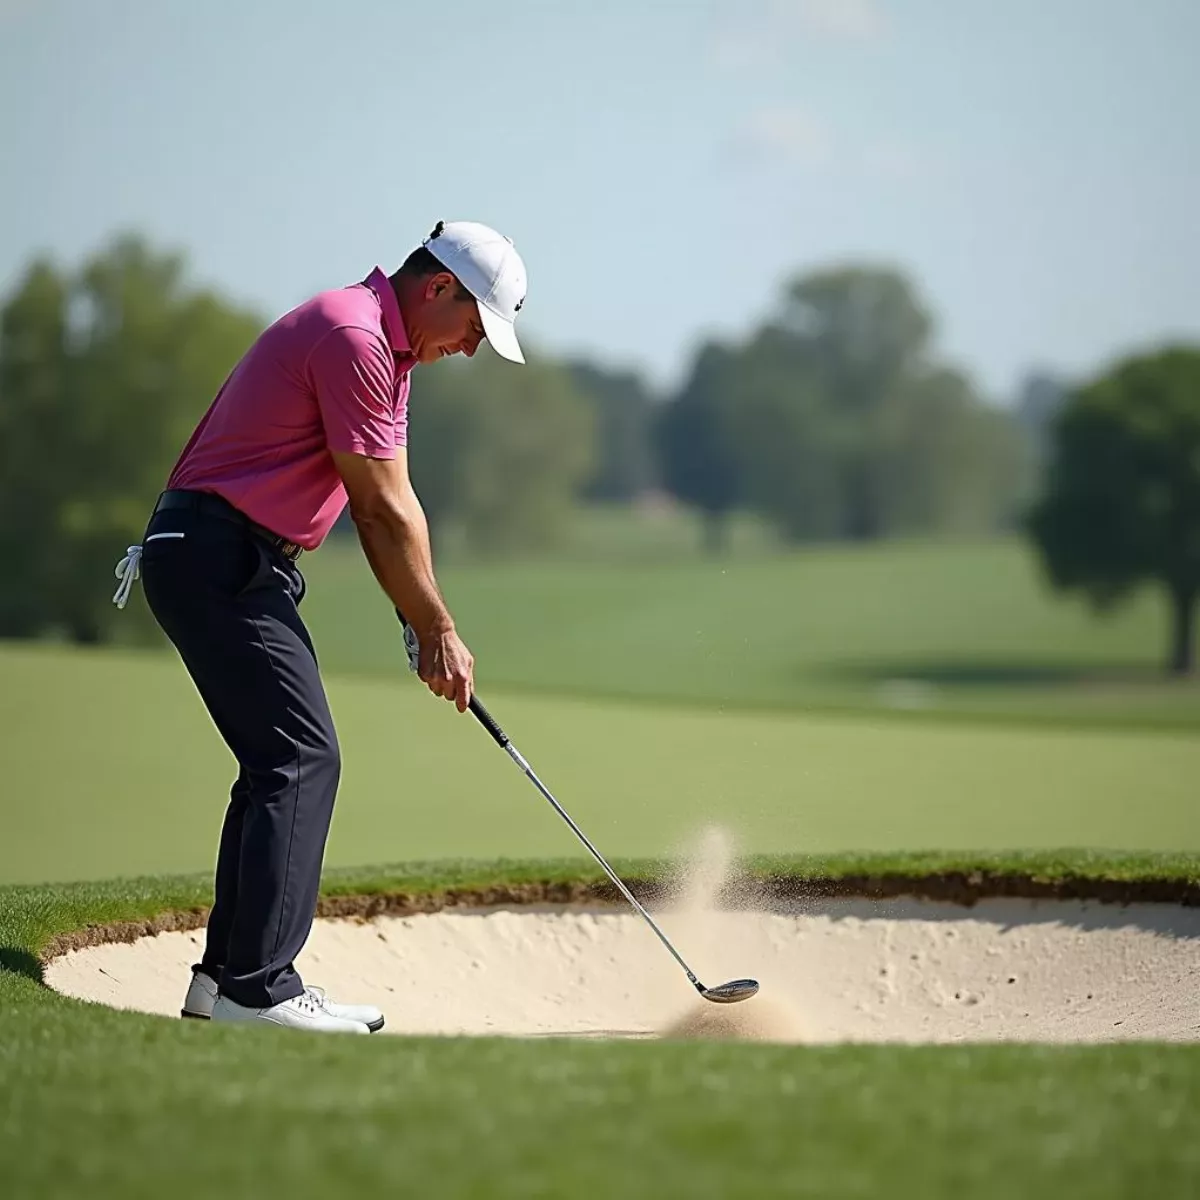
[(447, 668)]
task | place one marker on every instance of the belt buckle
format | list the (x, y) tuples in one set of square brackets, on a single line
[(290, 550)]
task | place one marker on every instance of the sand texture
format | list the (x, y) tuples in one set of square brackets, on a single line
[(900, 971)]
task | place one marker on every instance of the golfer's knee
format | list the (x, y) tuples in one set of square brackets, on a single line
[(327, 761)]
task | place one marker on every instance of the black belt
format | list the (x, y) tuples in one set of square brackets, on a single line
[(211, 505)]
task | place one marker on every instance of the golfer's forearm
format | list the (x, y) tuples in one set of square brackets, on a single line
[(395, 540)]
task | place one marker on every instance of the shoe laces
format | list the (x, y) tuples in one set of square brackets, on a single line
[(306, 1002)]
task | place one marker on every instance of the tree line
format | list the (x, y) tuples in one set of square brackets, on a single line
[(834, 419)]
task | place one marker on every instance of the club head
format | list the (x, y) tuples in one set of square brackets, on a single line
[(731, 992)]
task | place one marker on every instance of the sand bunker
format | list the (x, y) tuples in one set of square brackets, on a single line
[(831, 970), (906, 971)]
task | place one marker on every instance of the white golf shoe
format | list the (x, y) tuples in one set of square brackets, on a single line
[(368, 1014), (202, 998), (300, 1012)]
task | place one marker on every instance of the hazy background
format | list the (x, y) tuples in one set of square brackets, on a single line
[(850, 498), (661, 166)]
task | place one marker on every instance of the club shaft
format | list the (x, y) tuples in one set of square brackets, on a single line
[(502, 739), (529, 772)]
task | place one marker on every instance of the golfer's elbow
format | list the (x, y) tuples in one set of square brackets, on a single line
[(383, 518)]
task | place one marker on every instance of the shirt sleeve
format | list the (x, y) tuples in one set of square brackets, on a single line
[(353, 375)]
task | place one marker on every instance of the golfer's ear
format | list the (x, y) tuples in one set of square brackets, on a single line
[(443, 281)]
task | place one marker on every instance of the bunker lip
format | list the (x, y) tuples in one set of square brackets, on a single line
[(965, 888)]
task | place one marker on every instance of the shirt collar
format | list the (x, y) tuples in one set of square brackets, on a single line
[(393, 323)]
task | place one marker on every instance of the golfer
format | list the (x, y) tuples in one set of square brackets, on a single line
[(314, 416)]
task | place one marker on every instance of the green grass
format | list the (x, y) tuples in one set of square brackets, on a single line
[(112, 767), (117, 1106), (108, 1104), (969, 630), (655, 693)]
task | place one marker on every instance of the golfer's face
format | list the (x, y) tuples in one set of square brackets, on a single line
[(449, 323)]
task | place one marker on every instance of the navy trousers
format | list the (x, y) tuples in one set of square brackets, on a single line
[(229, 602)]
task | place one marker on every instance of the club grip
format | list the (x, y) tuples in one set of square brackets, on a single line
[(489, 722), (484, 717)]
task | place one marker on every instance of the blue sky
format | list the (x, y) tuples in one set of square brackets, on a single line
[(663, 166)]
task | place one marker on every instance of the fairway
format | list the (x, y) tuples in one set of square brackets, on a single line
[(905, 701), (113, 769), (942, 629)]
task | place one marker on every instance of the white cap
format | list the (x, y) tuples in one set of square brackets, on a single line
[(487, 264)]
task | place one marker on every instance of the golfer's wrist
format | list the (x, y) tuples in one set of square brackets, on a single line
[(434, 625), (442, 627)]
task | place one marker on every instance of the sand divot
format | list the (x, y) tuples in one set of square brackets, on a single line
[(831, 970)]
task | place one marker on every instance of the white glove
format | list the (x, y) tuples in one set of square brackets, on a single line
[(412, 646)]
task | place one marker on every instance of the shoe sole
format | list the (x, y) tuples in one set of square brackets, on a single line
[(373, 1026)]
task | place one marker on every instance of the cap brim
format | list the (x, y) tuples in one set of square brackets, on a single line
[(501, 334)]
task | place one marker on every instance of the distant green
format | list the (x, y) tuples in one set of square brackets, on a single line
[(935, 629), (112, 767)]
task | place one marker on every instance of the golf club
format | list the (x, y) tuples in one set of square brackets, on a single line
[(725, 993)]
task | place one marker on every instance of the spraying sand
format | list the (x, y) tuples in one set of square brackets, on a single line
[(850, 970)]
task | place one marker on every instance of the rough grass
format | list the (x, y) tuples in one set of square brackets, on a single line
[(111, 1104), (118, 1106)]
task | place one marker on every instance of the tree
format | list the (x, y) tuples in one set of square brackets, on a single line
[(33, 382), (102, 375), (948, 462), (500, 449), (862, 332), (1038, 401), (844, 425), (693, 440), (1122, 499), (863, 327), (623, 412), (785, 441), (441, 425)]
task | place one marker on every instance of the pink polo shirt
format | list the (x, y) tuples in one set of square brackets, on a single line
[(331, 375)]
